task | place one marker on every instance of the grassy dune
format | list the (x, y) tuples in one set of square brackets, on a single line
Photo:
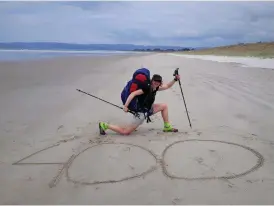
[(264, 50)]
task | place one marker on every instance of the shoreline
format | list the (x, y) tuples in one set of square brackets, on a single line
[(30, 55), (65, 51)]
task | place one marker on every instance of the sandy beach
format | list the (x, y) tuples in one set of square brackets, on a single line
[(51, 151)]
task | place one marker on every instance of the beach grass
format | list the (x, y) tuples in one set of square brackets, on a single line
[(262, 50)]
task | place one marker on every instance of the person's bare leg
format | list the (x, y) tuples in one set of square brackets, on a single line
[(164, 111), (119, 129), (122, 130)]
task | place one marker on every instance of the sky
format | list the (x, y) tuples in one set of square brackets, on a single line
[(178, 23)]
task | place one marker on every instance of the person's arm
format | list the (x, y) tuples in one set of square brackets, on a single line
[(130, 98), (170, 84)]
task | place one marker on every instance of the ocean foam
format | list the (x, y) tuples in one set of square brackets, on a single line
[(245, 61)]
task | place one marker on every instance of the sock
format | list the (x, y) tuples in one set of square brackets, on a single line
[(167, 125), (104, 125)]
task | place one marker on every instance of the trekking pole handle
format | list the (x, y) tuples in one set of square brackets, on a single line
[(134, 113), (176, 72)]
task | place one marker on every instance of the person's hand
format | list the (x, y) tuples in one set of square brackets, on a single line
[(177, 77), (125, 109)]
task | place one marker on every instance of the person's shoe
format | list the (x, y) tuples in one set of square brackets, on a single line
[(170, 129), (102, 128)]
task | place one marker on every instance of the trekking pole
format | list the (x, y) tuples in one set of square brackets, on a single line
[(176, 72), (106, 101)]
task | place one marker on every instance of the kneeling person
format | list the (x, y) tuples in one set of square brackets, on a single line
[(140, 99)]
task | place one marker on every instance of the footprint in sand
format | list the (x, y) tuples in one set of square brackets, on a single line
[(176, 201), (60, 127), (199, 160), (240, 116), (199, 133)]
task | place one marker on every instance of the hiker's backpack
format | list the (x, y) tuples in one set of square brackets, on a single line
[(140, 79)]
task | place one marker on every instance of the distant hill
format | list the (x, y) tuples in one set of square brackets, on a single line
[(259, 49), (86, 47)]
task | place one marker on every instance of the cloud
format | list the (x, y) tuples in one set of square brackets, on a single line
[(155, 23)]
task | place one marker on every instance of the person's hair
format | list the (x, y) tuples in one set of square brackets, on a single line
[(157, 78)]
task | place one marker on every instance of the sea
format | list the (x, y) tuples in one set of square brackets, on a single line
[(21, 55)]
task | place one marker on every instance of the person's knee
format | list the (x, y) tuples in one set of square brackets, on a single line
[(127, 131)]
